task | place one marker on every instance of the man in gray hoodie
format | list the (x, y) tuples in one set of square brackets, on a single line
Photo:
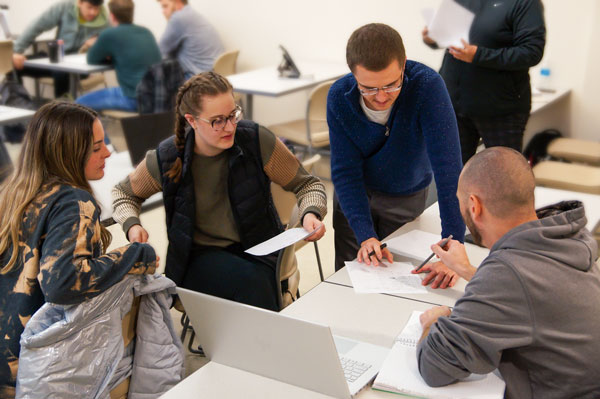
[(531, 308)]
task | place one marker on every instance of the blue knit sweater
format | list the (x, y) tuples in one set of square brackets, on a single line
[(422, 143)]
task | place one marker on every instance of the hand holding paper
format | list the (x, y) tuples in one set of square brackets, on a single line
[(282, 240), (450, 24)]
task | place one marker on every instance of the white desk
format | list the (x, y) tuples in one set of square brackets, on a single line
[(12, 114), (429, 221), (266, 81), (73, 64), (117, 167), (372, 318), (540, 99)]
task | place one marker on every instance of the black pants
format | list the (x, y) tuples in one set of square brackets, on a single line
[(231, 274), (505, 131), (388, 212)]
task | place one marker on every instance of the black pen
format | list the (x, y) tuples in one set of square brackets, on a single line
[(380, 247), (442, 244)]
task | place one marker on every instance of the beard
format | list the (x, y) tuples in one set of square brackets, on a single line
[(471, 226)]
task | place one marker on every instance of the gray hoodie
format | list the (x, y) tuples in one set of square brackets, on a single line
[(532, 310)]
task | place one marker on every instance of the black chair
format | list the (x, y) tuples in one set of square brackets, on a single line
[(144, 132)]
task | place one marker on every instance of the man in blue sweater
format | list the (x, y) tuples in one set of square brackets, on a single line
[(392, 128)]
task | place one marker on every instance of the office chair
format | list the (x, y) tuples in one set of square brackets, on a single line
[(144, 132), (311, 132), (225, 65)]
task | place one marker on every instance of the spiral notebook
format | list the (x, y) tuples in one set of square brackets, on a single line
[(400, 374)]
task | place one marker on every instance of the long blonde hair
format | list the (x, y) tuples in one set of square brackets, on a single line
[(189, 101), (56, 148)]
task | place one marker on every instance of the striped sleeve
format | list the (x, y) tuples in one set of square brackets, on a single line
[(130, 193), (284, 169)]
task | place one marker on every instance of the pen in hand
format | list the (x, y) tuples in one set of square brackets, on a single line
[(442, 244), (380, 247)]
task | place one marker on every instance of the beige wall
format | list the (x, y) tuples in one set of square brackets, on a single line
[(318, 30)]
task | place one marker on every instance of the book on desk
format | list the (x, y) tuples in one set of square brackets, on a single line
[(400, 372)]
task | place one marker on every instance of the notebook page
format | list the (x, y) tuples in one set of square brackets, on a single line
[(400, 372)]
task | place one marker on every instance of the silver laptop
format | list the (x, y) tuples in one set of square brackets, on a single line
[(280, 347)]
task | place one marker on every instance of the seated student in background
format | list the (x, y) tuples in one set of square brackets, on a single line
[(51, 241), (189, 38), (132, 49), (531, 308), (78, 23), (392, 129), (215, 176)]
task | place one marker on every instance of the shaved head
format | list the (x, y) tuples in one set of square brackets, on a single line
[(503, 181)]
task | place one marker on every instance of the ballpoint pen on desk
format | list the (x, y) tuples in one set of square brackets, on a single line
[(380, 247), (442, 244)]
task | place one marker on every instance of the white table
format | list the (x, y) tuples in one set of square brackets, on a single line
[(73, 64), (430, 222), (13, 114), (372, 318), (117, 167), (266, 81), (541, 99)]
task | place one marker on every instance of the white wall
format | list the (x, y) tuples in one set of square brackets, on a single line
[(319, 29)]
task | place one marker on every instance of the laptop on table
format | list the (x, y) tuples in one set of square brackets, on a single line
[(280, 347)]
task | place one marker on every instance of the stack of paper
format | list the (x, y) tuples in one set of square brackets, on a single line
[(400, 373)]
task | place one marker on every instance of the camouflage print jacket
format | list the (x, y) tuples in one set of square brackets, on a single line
[(60, 261)]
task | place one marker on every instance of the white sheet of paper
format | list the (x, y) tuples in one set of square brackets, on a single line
[(415, 244), (396, 278), (280, 241), (427, 14), (450, 23)]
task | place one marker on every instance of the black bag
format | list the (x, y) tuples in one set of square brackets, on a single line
[(14, 94), (537, 148)]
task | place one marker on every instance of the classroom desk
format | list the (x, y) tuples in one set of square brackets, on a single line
[(266, 81), (428, 221), (541, 100), (372, 318), (73, 64), (117, 167), (12, 114)]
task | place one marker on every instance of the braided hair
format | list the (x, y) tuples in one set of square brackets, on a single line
[(189, 101)]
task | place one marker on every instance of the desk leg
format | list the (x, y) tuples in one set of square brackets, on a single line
[(248, 110), (73, 80)]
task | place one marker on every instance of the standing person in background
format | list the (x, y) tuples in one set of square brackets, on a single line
[(52, 245), (391, 128), (78, 22), (189, 38), (488, 79), (132, 49)]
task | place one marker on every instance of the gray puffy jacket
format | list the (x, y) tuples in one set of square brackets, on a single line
[(78, 351)]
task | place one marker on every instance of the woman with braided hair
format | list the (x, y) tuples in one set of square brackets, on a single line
[(215, 175), (52, 245)]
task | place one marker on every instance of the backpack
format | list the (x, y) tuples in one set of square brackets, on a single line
[(537, 148), (14, 94)]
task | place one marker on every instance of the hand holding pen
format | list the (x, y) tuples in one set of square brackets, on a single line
[(372, 251), (438, 274)]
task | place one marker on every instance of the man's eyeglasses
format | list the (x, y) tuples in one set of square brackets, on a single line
[(386, 89), (219, 122)]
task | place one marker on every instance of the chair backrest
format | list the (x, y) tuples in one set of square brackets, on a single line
[(157, 90), (225, 63), (145, 131), (317, 130), (6, 51)]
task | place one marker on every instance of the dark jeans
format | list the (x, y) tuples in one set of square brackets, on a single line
[(231, 274), (505, 131), (389, 213)]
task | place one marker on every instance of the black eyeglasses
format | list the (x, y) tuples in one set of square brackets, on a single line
[(219, 122)]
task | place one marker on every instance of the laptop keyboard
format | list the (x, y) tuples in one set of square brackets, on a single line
[(353, 369)]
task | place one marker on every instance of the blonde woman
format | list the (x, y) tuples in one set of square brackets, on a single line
[(215, 176), (51, 241)]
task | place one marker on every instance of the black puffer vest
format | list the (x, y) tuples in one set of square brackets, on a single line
[(249, 194)]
